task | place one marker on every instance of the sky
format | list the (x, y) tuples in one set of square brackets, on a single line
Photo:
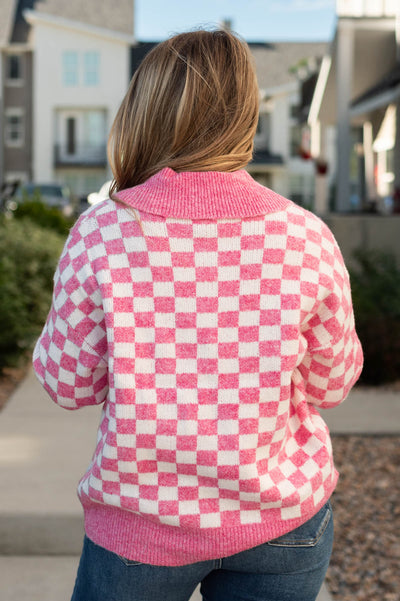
[(254, 20)]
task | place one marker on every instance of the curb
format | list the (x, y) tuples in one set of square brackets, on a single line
[(40, 535)]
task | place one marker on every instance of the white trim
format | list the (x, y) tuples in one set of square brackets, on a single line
[(319, 90), (34, 17), (11, 176), (366, 8), (386, 137), (376, 102), (14, 83), (14, 112), (287, 88), (16, 48), (375, 23), (315, 138)]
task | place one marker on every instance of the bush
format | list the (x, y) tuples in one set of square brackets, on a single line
[(376, 297), (44, 216), (28, 258)]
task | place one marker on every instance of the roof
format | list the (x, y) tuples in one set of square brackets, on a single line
[(275, 61), (374, 52), (21, 28), (107, 14), (388, 82), (308, 86), (7, 12), (138, 52)]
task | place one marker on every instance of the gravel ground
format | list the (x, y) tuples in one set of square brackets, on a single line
[(365, 564)]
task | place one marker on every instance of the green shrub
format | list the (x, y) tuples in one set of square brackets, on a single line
[(28, 258), (43, 215), (375, 286)]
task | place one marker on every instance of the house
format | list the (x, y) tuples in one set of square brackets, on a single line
[(357, 96), (281, 158), (277, 161), (67, 66), (75, 67), (15, 93)]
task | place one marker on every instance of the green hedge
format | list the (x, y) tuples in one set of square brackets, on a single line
[(29, 254), (375, 282), (28, 258), (43, 215)]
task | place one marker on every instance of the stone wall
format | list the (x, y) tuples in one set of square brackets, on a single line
[(366, 232)]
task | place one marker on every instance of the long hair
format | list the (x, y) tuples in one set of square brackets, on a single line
[(192, 105)]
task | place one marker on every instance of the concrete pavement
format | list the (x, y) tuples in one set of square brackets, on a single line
[(52, 579), (44, 451)]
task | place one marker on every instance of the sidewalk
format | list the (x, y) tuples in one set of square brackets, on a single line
[(44, 448)]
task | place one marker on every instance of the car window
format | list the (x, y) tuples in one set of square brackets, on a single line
[(45, 190), (49, 191)]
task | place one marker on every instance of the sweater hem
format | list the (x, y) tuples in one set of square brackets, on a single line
[(140, 539)]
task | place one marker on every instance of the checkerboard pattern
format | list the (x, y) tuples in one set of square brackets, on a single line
[(211, 343)]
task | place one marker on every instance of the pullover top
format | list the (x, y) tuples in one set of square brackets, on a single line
[(212, 318)]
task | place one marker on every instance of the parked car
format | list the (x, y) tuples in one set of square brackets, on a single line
[(53, 195)]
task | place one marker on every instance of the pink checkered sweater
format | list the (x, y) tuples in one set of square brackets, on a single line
[(211, 317)]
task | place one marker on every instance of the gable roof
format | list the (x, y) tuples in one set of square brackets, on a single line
[(7, 12), (275, 60), (138, 52), (21, 29), (106, 14)]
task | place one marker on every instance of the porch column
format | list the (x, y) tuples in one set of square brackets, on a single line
[(344, 77), (397, 150), (369, 165), (318, 149), (1, 123)]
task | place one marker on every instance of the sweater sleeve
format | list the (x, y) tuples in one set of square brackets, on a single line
[(333, 357), (70, 357)]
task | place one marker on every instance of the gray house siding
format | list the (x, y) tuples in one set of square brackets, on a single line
[(19, 97)]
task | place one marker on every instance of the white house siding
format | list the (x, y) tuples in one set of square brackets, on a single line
[(52, 96), (367, 8), (295, 178)]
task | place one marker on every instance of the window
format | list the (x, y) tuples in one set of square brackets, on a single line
[(14, 68), (71, 135), (94, 128), (294, 111), (301, 189), (81, 136), (295, 140), (70, 68), (91, 68), (262, 138), (81, 69), (14, 127)]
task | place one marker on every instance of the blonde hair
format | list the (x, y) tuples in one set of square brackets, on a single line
[(192, 105)]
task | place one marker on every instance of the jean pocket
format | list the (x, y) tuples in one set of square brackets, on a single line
[(128, 562), (309, 533)]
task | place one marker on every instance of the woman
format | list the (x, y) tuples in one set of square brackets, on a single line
[(211, 317)]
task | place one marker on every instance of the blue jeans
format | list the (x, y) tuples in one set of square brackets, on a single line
[(291, 568)]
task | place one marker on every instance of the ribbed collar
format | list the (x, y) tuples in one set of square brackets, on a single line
[(203, 195)]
